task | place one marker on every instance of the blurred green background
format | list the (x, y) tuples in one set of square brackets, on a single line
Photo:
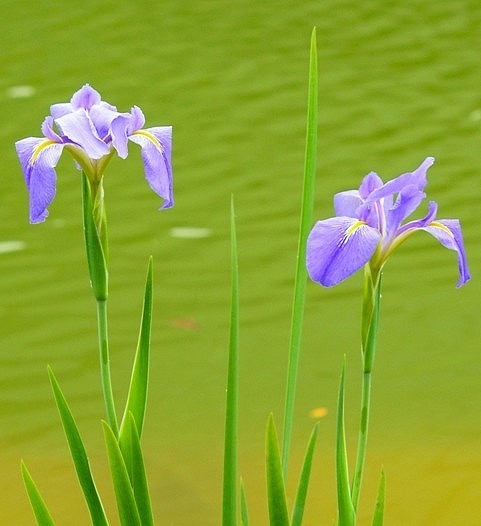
[(398, 81)]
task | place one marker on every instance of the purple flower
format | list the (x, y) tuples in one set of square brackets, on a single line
[(92, 131), (369, 225)]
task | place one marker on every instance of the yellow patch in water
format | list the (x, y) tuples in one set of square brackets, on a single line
[(318, 412)]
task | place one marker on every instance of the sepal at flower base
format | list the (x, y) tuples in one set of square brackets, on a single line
[(95, 248)]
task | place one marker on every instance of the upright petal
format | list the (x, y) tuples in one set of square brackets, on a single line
[(38, 158), (407, 200), (156, 144), (79, 129), (448, 233), (370, 183), (85, 97), (417, 178), (338, 247), (347, 203)]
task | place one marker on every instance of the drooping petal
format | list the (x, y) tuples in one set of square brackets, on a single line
[(124, 125), (38, 158), (79, 129), (338, 247), (119, 135), (448, 233), (156, 144)]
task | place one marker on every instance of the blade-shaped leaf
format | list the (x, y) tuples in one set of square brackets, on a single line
[(138, 477), (137, 396), (79, 456), (303, 485), (128, 511), (300, 283), (229, 498), (276, 493), (38, 505), (378, 518), (344, 502), (243, 502)]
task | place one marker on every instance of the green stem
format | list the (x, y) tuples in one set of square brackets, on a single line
[(362, 442), (369, 324), (105, 366)]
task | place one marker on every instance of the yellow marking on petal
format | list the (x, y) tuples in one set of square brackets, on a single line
[(353, 228), (152, 138), (40, 148), (437, 224)]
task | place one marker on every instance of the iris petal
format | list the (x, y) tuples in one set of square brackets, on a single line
[(448, 233), (156, 144), (79, 128), (338, 247), (38, 158), (406, 202), (347, 203)]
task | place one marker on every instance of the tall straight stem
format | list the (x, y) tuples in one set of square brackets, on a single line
[(105, 365), (362, 441), (369, 323)]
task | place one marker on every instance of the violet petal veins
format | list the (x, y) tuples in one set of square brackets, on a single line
[(371, 222), (92, 131)]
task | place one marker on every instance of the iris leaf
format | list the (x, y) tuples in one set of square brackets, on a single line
[(138, 477), (378, 518), (301, 494), (79, 456), (229, 499), (276, 493), (38, 505), (137, 395), (307, 205), (244, 509), (126, 505), (345, 507)]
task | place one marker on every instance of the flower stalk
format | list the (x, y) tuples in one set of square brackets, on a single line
[(370, 317), (96, 244)]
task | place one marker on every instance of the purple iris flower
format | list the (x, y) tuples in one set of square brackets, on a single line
[(369, 225), (92, 131)]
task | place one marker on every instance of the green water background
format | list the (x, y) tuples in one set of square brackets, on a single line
[(398, 81)]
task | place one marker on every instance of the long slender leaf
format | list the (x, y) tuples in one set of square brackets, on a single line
[(138, 477), (38, 505), (378, 518), (126, 505), (303, 485), (345, 507), (137, 395), (79, 456), (244, 508), (229, 499), (276, 493), (307, 205)]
